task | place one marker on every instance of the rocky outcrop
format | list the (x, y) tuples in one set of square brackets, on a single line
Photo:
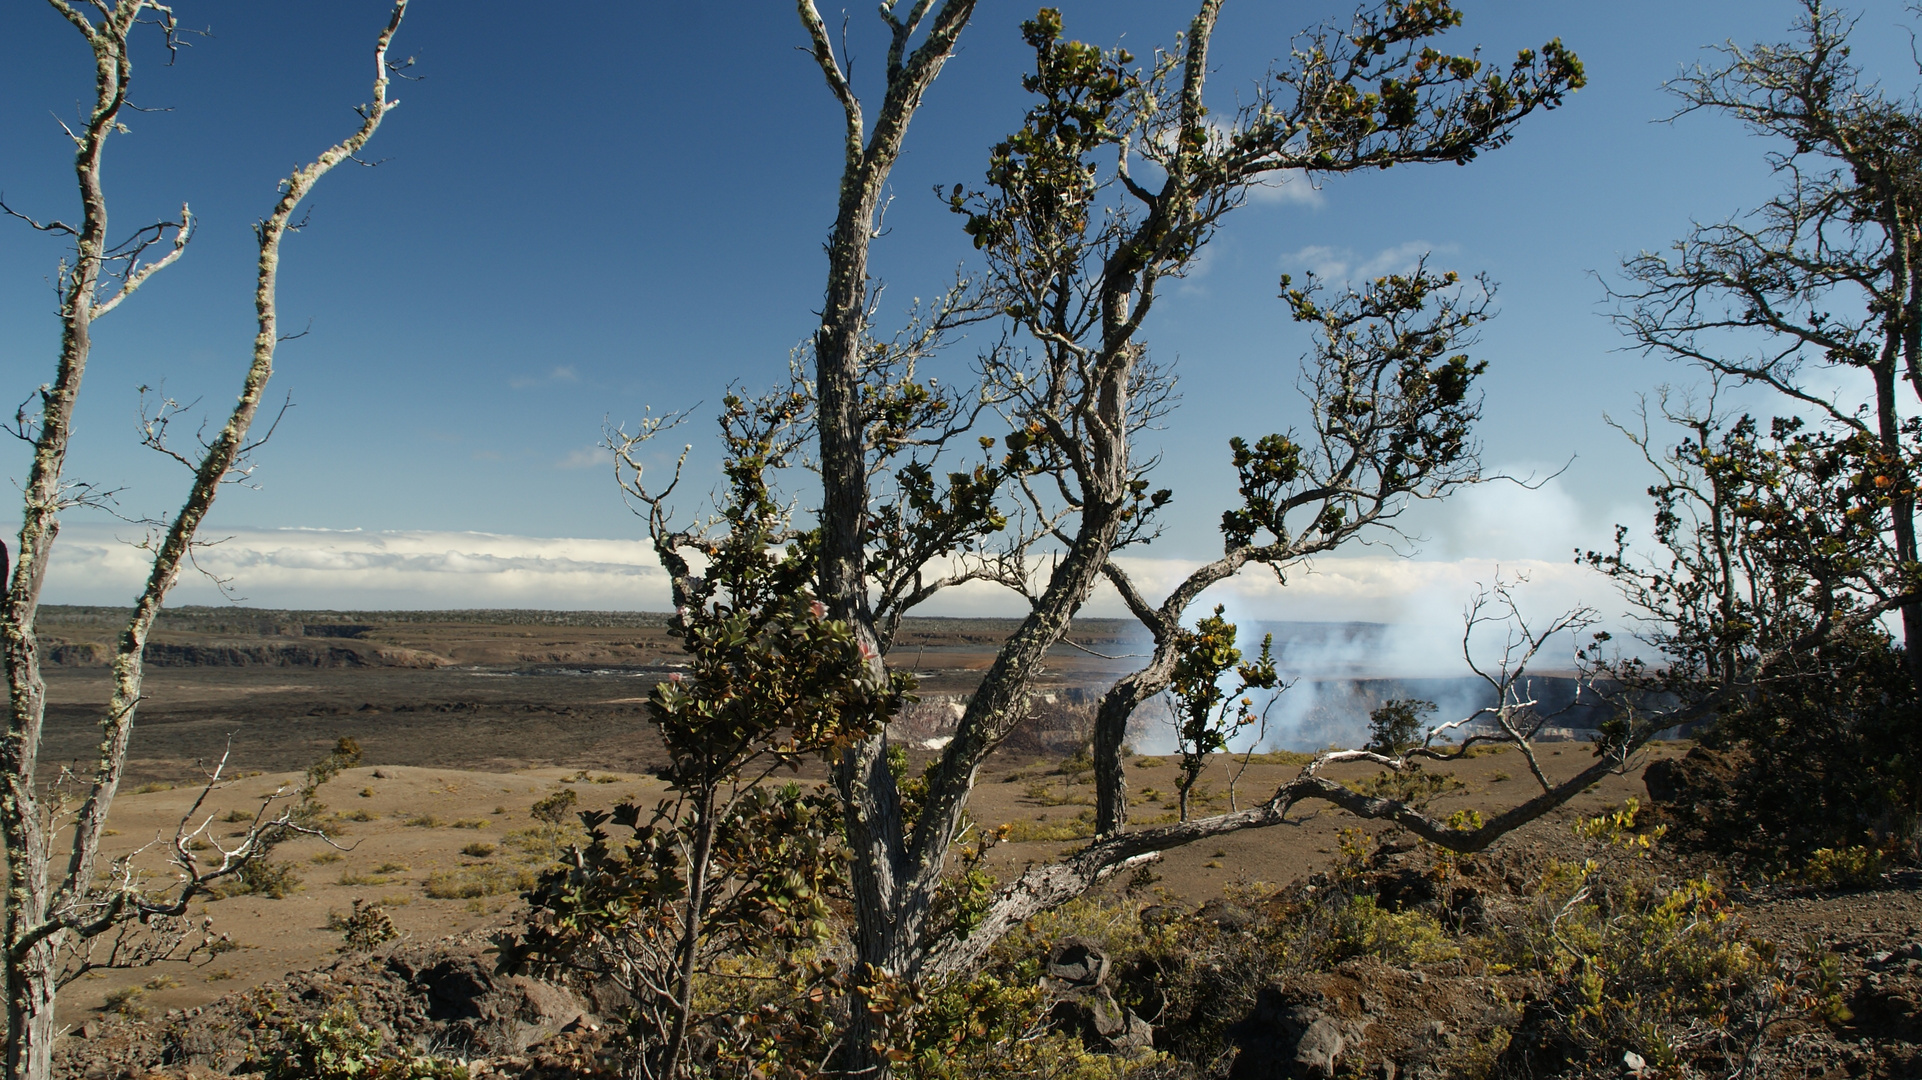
[(441, 997), (1077, 973)]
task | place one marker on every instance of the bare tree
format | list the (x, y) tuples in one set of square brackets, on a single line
[(1825, 276), (1078, 275), (44, 912)]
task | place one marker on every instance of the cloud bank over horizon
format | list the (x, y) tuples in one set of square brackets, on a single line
[(303, 568)]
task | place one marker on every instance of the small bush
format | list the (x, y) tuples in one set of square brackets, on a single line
[(1413, 785), (1395, 726), (1363, 928), (477, 850), (1843, 868), (364, 928), (392, 868), (1276, 757), (1637, 964), (424, 821), (336, 1046), (1079, 827), (470, 882), (471, 823), (1047, 794), (261, 877), (555, 808), (326, 857), (358, 815), (355, 880), (149, 789), (125, 1002)]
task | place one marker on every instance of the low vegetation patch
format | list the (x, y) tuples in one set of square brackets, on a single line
[(262, 877), (1079, 827), (470, 882)]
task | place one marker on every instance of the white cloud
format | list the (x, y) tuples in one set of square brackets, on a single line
[(1340, 265), (561, 373), (350, 569), (324, 568), (1290, 187), (586, 457)]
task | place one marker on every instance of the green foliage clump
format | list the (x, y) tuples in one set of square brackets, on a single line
[(1636, 964), (1361, 927), (366, 927), (1844, 868), (260, 877), (1410, 784), (556, 807), (1078, 827), (1836, 753), (309, 811), (473, 882), (998, 1025), (1395, 726), (997, 1021), (1207, 716), (126, 1001), (337, 1045)]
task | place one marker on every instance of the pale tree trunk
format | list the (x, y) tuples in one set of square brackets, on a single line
[(688, 960), (862, 778), (30, 967), (40, 918)]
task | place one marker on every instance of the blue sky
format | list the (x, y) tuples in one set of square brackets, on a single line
[(584, 212)]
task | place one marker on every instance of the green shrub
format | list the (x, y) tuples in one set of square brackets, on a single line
[(1636, 964), (1845, 868), (470, 882), (1363, 928), (261, 877), (1834, 758), (555, 808), (1413, 785), (1079, 827), (364, 928), (125, 1002), (1395, 726), (337, 1045)]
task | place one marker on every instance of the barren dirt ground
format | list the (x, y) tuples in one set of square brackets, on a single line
[(443, 849)]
